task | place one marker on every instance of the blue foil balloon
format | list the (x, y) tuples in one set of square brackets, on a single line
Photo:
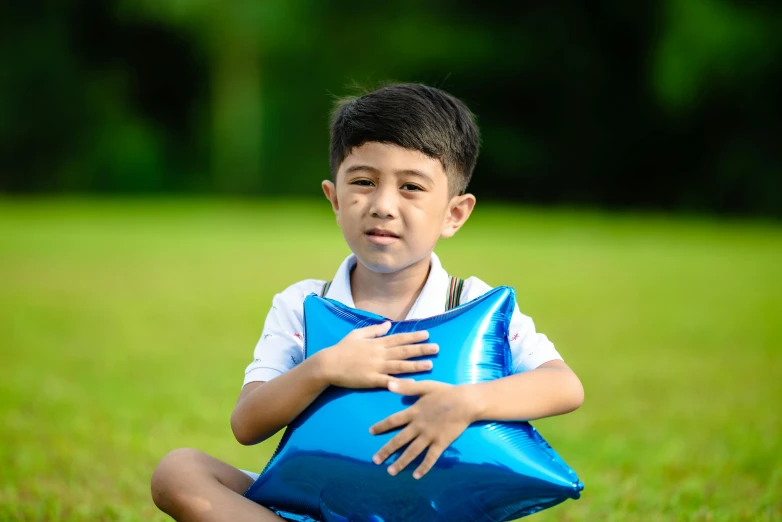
[(322, 469)]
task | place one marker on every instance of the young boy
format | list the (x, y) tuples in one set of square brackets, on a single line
[(401, 158)]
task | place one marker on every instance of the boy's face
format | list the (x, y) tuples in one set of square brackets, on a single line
[(393, 204)]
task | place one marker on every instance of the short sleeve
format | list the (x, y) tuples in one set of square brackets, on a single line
[(281, 345), (529, 349)]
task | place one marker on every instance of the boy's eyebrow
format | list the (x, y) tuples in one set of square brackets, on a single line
[(354, 168), (411, 172)]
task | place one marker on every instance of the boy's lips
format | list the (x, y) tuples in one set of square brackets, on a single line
[(379, 236)]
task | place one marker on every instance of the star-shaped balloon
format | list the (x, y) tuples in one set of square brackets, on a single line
[(322, 469)]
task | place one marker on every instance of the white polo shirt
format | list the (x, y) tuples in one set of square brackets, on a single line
[(281, 346)]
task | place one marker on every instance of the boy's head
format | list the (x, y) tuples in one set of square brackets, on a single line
[(401, 159), (412, 116)]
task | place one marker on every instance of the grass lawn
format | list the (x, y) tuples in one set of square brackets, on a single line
[(125, 327)]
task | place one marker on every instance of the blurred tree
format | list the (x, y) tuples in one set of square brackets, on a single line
[(715, 71), (85, 103), (237, 39), (708, 42), (671, 105)]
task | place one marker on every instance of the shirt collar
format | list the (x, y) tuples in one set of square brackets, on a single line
[(431, 300)]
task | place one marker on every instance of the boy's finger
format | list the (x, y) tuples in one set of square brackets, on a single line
[(374, 330), (382, 380), (398, 367), (411, 386), (405, 338), (411, 350), (396, 420), (413, 450), (398, 440), (432, 454)]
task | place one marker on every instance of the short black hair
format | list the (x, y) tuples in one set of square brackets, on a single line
[(413, 116)]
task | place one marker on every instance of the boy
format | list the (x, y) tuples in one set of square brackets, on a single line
[(401, 158)]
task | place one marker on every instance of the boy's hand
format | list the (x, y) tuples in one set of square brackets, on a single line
[(366, 359), (438, 417)]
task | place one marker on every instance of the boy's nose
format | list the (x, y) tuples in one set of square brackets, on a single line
[(384, 202)]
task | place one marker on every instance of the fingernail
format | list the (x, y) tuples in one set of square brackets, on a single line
[(376, 459), (392, 470), (416, 475), (393, 385)]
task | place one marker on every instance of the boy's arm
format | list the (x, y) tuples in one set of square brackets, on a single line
[(444, 411), (550, 389), (263, 408), (365, 358)]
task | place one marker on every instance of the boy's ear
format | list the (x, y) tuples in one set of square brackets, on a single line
[(459, 209), (331, 194)]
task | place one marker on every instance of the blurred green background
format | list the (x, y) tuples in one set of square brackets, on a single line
[(159, 171), (670, 104)]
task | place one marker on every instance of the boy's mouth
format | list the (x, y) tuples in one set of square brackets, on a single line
[(381, 237)]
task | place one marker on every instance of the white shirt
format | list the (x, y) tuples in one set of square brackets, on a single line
[(281, 346)]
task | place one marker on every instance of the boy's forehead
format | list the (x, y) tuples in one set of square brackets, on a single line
[(391, 158)]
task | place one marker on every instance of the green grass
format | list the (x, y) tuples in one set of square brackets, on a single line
[(125, 327)]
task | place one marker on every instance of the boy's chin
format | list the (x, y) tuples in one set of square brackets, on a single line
[(385, 264)]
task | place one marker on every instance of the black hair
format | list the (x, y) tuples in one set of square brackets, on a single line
[(413, 116)]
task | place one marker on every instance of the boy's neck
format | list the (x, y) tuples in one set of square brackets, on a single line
[(390, 295)]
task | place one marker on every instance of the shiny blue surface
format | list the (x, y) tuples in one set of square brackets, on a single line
[(323, 470)]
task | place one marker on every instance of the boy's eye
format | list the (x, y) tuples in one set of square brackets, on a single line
[(362, 182), (410, 186)]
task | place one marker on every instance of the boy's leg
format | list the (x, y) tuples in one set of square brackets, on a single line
[(191, 485)]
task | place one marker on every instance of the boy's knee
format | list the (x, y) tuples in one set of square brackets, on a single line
[(169, 475)]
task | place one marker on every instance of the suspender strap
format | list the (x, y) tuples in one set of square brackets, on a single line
[(454, 297), (454, 293)]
